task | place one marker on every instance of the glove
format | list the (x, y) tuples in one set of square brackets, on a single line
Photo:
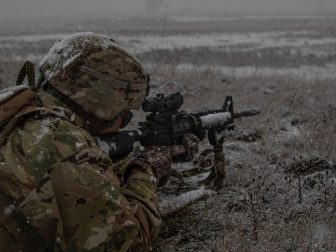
[(154, 161), (157, 161), (190, 145)]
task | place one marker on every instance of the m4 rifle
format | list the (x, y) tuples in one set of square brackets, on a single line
[(166, 124)]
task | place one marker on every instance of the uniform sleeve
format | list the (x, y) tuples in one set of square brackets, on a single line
[(140, 192), (99, 215), (81, 200)]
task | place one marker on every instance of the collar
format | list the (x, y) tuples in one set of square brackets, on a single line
[(52, 103)]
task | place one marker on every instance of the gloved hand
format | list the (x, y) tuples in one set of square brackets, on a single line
[(157, 161), (190, 146)]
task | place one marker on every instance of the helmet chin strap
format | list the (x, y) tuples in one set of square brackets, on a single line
[(88, 117)]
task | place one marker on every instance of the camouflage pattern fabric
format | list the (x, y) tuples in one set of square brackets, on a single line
[(65, 191), (159, 159), (219, 163), (89, 69), (190, 143), (154, 160), (120, 167), (209, 163), (217, 174)]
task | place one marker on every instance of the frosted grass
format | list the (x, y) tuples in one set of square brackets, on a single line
[(244, 17), (301, 42), (226, 41), (245, 41), (35, 37), (303, 72)]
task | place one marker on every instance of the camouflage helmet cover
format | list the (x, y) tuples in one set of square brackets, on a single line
[(96, 73)]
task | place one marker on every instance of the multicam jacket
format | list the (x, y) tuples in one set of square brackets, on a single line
[(59, 192)]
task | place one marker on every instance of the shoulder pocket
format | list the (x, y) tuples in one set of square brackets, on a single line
[(15, 103)]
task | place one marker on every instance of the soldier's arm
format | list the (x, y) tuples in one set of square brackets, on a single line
[(96, 212), (140, 190), (81, 201)]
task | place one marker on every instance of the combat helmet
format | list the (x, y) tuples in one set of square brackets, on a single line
[(96, 73)]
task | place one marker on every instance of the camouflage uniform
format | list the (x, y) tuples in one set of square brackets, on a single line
[(58, 189), (219, 164), (63, 187)]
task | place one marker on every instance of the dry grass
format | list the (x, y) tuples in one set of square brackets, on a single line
[(260, 208), (263, 206)]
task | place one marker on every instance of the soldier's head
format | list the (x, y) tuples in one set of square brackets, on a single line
[(100, 79)]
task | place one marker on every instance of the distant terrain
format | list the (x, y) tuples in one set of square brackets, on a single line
[(279, 191)]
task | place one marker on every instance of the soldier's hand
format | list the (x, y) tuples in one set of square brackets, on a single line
[(154, 160), (158, 160), (187, 151)]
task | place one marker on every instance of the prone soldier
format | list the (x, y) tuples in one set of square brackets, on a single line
[(58, 189)]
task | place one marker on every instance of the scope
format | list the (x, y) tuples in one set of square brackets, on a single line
[(160, 103)]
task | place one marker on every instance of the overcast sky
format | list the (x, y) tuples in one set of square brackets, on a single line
[(103, 8)]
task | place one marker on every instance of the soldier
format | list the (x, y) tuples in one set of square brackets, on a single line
[(58, 190)]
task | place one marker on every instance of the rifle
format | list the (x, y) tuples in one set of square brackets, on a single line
[(166, 125)]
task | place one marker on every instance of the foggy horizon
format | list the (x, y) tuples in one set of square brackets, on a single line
[(34, 9)]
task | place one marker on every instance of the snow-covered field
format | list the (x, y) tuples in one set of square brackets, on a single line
[(300, 44), (295, 41), (301, 40), (279, 192)]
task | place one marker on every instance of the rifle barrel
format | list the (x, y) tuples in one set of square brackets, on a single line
[(252, 112)]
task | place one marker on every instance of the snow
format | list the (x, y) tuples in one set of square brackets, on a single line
[(215, 120), (66, 51), (78, 145), (44, 129), (195, 180), (106, 147), (31, 57), (245, 16), (224, 216), (35, 37), (40, 156), (182, 167), (8, 92), (73, 117), (153, 180), (60, 112), (299, 40), (303, 72), (225, 41), (49, 211), (8, 210), (100, 113), (172, 204)]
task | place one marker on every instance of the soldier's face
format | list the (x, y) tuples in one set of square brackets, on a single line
[(111, 129)]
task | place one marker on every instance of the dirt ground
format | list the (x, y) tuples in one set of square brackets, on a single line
[(279, 189)]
